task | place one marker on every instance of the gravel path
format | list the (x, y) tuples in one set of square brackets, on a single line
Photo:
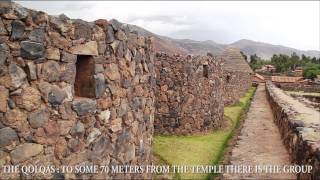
[(259, 142)]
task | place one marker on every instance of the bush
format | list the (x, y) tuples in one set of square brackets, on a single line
[(311, 71)]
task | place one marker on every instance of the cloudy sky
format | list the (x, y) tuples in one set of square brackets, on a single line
[(294, 24)]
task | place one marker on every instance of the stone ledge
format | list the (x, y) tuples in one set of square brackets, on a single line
[(300, 136)]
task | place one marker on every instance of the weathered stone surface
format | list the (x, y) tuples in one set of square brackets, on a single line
[(56, 95), (3, 30), (59, 41), (51, 71), (67, 57), (39, 118), (53, 54), (105, 116), (31, 50), (109, 35), (100, 85), (4, 96), (68, 73), (78, 129), (44, 88), (120, 35), (65, 127), (61, 23), (18, 76), (112, 72), (17, 30), (31, 71), (84, 106), (102, 145), (82, 30), (61, 149), (116, 124), (89, 48), (8, 137), (116, 25), (13, 116), (30, 99), (25, 151), (37, 35), (102, 23), (93, 135)]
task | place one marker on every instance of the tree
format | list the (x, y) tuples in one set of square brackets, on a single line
[(294, 60), (244, 55), (311, 71)]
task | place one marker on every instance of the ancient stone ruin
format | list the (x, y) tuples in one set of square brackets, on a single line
[(237, 75), (73, 92), (188, 94), (300, 130)]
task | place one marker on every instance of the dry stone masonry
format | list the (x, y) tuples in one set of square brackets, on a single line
[(300, 129), (188, 94), (73, 92), (237, 75)]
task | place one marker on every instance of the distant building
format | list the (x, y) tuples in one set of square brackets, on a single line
[(257, 78), (266, 68), (237, 75), (285, 79)]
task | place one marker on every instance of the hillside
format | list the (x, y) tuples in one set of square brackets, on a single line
[(266, 50), (188, 46)]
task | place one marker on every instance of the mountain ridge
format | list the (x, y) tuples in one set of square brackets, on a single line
[(189, 46)]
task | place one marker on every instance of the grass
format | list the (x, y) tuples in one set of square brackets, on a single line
[(201, 149)]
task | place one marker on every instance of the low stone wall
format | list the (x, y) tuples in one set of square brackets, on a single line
[(301, 138), (236, 84), (188, 94), (73, 93), (299, 87)]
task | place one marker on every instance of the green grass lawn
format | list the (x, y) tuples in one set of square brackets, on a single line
[(200, 149)]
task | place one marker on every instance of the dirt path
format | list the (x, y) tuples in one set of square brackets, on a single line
[(259, 142)]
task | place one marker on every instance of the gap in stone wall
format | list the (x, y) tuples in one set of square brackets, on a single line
[(84, 82)]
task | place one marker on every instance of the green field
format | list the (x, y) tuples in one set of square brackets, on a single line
[(200, 149)]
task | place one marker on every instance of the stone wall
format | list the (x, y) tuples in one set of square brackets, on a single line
[(236, 84), (299, 87), (188, 94), (73, 92), (301, 137)]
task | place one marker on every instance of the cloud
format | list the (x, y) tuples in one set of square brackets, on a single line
[(294, 24)]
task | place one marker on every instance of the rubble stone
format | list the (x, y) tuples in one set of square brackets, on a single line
[(25, 151), (8, 137), (31, 50), (39, 118), (4, 96), (17, 30), (84, 106)]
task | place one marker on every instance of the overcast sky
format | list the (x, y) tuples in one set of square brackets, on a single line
[(294, 24)]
